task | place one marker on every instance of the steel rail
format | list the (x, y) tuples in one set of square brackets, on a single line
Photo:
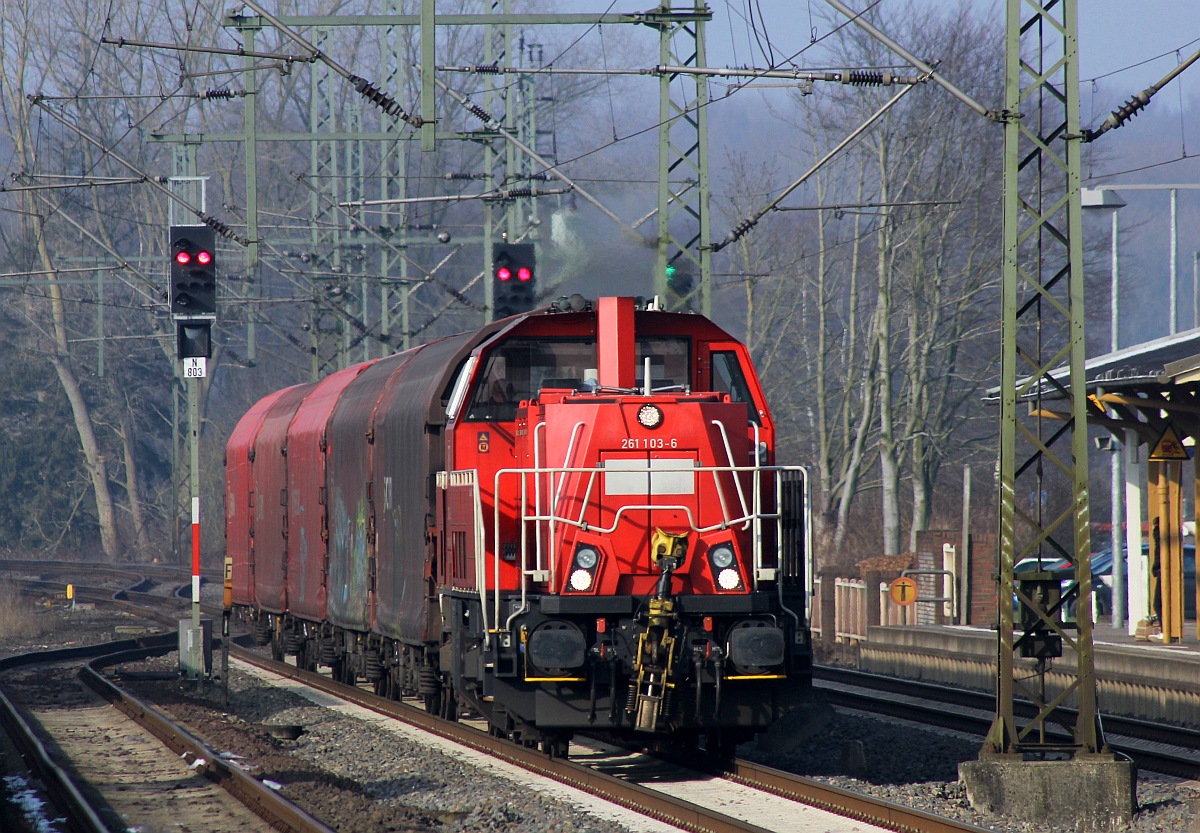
[(59, 785), (1125, 735), (865, 808), (610, 788), (257, 797)]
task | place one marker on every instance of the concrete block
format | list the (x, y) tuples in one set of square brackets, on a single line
[(189, 637), (1094, 793)]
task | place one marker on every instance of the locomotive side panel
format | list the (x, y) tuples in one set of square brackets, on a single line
[(270, 501), (239, 496), (408, 453), (308, 531), (349, 497)]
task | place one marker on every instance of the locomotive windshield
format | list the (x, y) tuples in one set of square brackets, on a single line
[(520, 367), (670, 360)]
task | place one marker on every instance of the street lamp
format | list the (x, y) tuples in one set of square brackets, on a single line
[(1102, 199)]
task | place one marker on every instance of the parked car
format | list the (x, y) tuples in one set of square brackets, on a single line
[(1102, 566), (1045, 564)]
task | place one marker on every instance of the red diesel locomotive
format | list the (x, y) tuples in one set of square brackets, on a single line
[(569, 519)]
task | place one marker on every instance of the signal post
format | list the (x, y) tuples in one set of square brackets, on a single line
[(192, 295)]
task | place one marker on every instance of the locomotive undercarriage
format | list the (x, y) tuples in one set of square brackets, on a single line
[(715, 669), (682, 674)]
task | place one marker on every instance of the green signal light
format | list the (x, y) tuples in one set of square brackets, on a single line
[(670, 270)]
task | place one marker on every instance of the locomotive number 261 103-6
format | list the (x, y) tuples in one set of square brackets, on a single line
[(649, 442)]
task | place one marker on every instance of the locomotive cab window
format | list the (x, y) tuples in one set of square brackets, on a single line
[(670, 362), (727, 377), (520, 367)]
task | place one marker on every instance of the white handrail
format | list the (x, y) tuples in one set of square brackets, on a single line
[(737, 481), (757, 498), (754, 515), (562, 479)]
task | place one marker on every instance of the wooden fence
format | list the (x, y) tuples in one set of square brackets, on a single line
[(851, 614)]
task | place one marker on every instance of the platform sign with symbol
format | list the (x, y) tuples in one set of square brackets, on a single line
[(1169, 448), (903, 591), (195, 368)]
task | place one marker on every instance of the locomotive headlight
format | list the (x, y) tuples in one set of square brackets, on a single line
[(728, 579), (722, 556), (582, 580), (586, 557), (650, 416)]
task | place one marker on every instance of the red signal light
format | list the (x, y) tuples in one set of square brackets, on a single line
[(524, 273), (203, 258), (504, 273), (183, 258)]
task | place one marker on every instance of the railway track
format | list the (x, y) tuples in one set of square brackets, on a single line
[(594, 771), (654, 802), (128, 767), (928, 704), (1171, 750)]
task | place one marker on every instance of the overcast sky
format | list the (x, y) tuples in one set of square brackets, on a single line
[(1112, 33)]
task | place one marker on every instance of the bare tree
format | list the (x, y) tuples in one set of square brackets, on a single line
[(890, 313)]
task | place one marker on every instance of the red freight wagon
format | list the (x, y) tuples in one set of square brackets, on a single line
[(350, 497), (409, 450), (307, 522), (268, 559), (239, 488)]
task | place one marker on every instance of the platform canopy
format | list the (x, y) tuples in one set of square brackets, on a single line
[(1146, 387)]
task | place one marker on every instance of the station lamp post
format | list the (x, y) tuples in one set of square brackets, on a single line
[(1103, 199)]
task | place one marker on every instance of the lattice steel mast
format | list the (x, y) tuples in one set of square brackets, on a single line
[(684, 234), (1043, 459)]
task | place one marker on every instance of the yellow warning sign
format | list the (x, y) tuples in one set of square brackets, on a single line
[(903, 591), (1169, 447)]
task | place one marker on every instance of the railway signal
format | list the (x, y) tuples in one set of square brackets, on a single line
[(679, 281), (193, 287), (193, 339), (514, 278)]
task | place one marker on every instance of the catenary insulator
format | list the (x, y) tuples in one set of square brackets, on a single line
[(867, 78), (1130, 109), (479, 113), (382, 100)]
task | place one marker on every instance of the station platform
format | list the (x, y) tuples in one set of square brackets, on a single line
[(1106, 633), (1133, 678)]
